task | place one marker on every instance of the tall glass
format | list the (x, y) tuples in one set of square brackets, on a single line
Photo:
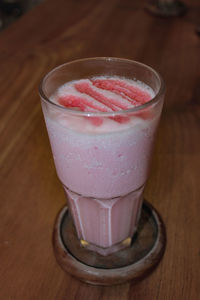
[(104, 168)]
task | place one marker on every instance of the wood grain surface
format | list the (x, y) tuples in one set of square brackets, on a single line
[(31, 195)]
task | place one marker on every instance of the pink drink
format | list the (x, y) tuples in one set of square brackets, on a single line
[(102, 154)]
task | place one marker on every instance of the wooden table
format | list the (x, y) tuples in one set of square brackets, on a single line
[(31, 195)]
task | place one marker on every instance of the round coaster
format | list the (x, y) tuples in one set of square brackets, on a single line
[(131, 263)]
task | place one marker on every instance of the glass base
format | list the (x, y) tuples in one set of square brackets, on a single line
[(105, 225), (108, 250)]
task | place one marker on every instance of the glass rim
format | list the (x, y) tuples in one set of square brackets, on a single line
[(154, 100)]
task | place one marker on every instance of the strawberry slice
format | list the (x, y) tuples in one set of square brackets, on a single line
[(97, 121), (76, 102), (120, 119), (144, 114), (72, 101), (80, 102), (132, 93), (84, 87)]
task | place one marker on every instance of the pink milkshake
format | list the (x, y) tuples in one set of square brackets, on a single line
[(101, 129)]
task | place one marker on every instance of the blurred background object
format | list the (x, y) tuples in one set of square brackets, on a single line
[(167, 8), (10, 10)]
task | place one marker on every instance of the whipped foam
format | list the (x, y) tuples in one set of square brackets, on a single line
[(117, 97), (112, 95)]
